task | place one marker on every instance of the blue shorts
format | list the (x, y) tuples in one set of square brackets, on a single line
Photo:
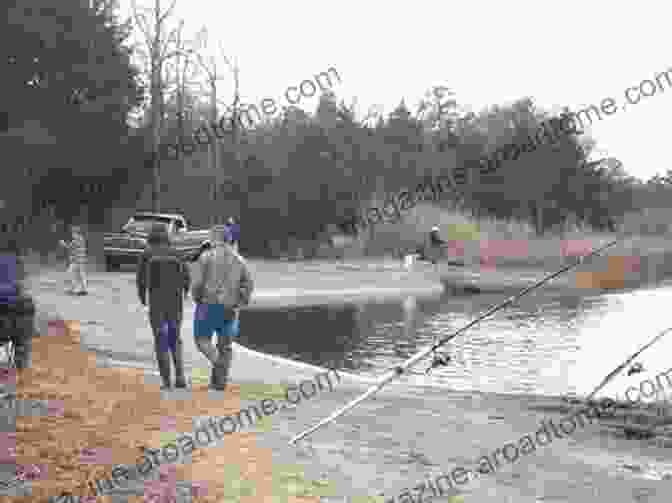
[(209, 319)]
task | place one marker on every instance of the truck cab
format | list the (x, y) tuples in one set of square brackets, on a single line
[(127, 246), (141, 223)]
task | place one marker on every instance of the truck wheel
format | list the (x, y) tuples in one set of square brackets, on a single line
[(111, 264)]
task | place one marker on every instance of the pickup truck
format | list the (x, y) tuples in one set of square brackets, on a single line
[(126, 247)]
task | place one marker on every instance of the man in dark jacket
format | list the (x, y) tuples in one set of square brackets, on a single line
[(165, 278), (17, 310)]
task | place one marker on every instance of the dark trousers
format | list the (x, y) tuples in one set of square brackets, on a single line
[(165, 348)]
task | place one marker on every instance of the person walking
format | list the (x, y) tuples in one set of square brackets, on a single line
[(163, 281), (17, 309), (77, 261), (221, 285), (235, 233)]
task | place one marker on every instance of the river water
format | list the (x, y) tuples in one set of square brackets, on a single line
[(547, 344)]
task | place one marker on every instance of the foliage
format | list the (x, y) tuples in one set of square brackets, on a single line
[(68, 87), (304, 172)]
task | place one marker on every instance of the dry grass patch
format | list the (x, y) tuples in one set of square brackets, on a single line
[(116, 411)]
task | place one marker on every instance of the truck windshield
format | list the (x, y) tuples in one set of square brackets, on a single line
[(144, 224)]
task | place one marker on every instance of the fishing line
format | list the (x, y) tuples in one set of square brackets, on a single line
[(400, 369)]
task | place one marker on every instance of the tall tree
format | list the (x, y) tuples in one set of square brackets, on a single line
[(159, 45), (68, 87)]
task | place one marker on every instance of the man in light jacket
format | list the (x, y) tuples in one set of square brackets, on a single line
[(77, 258), (221, 285)]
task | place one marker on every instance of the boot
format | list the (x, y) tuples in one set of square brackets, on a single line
[(163, 360), (221, 369), (213, 378), (178, 361), (219, 377), (23, 341)]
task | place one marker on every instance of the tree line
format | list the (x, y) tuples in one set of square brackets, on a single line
[(85, 107)]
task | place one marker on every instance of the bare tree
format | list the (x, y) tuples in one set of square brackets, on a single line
[(209, 66), (182, 72), (159, 46), (235, 69)]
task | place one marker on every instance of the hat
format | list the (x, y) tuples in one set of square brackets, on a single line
[(435, 228), (221, 234)]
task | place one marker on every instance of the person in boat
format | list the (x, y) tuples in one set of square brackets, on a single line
[(434, 244), (435, 238)]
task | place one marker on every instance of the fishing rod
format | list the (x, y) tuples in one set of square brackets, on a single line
[(627, 362), (400, 369), (615, 372)]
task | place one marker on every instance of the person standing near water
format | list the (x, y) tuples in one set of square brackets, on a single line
[(221, 285), (77, 261)]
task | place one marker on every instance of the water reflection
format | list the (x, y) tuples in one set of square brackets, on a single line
[(545, 344), (404, 344), (321, 335)]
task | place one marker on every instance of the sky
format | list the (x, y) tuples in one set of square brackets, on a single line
[(571, 53)]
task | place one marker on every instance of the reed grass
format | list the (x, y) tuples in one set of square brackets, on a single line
[(409, 234)]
